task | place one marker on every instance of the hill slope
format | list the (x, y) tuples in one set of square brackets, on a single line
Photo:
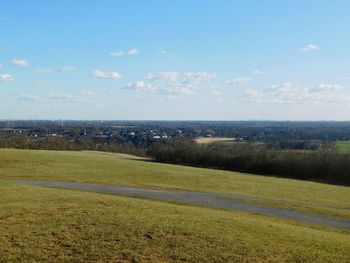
[(40, 223)]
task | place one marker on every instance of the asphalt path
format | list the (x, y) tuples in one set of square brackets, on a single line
[(223, 201)]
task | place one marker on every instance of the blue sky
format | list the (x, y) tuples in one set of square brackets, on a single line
[(175, 60)]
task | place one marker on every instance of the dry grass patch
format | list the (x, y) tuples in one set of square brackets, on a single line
[(206, 140)]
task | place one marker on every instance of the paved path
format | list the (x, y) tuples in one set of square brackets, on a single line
[(229, 202)]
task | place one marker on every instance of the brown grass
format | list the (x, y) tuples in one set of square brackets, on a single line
[(206, 140)]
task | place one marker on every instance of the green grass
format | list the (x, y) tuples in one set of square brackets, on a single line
[(327, 211), (41, 224), (342, 146), (53, 225), (110, 169)]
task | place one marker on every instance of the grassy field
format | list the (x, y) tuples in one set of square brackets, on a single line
[(206, 140), (120, 170), (343, 146), (43, 224)]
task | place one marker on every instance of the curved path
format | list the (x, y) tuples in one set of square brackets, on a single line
[(230, 202)]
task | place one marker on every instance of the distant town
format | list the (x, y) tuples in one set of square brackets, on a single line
[(143, 133)]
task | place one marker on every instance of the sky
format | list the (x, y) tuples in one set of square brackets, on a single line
[(175, 60)]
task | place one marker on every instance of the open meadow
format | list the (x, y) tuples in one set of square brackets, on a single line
[(206, 140), (42, 223), (343, 146)]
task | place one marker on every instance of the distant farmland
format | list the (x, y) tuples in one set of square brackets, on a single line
[(206, 140), (343, 146)]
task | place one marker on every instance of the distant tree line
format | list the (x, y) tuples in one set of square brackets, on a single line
[(62, 144), (283, 144), (323, 164)]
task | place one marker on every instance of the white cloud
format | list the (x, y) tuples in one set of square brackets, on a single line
[(257, 72), (29, 97), (166, 75), (86, 93), (20, 62), (48, 70), (180, 88), (240, 81), (141, 86), (174, 83), (290, 93), (2, 18), (189, 84), (66, 69), (106, 75), (329, 87), (169, 75), (151, 77), (117, 53), (120, 53), (254, 95), (6, 78), (0, 65), (198, 76), (75, 98), (308, 48), (45, 70), (133, 51), (56, 96)]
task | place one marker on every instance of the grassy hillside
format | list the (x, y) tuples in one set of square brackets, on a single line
[(44, 224), (121, 170)]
